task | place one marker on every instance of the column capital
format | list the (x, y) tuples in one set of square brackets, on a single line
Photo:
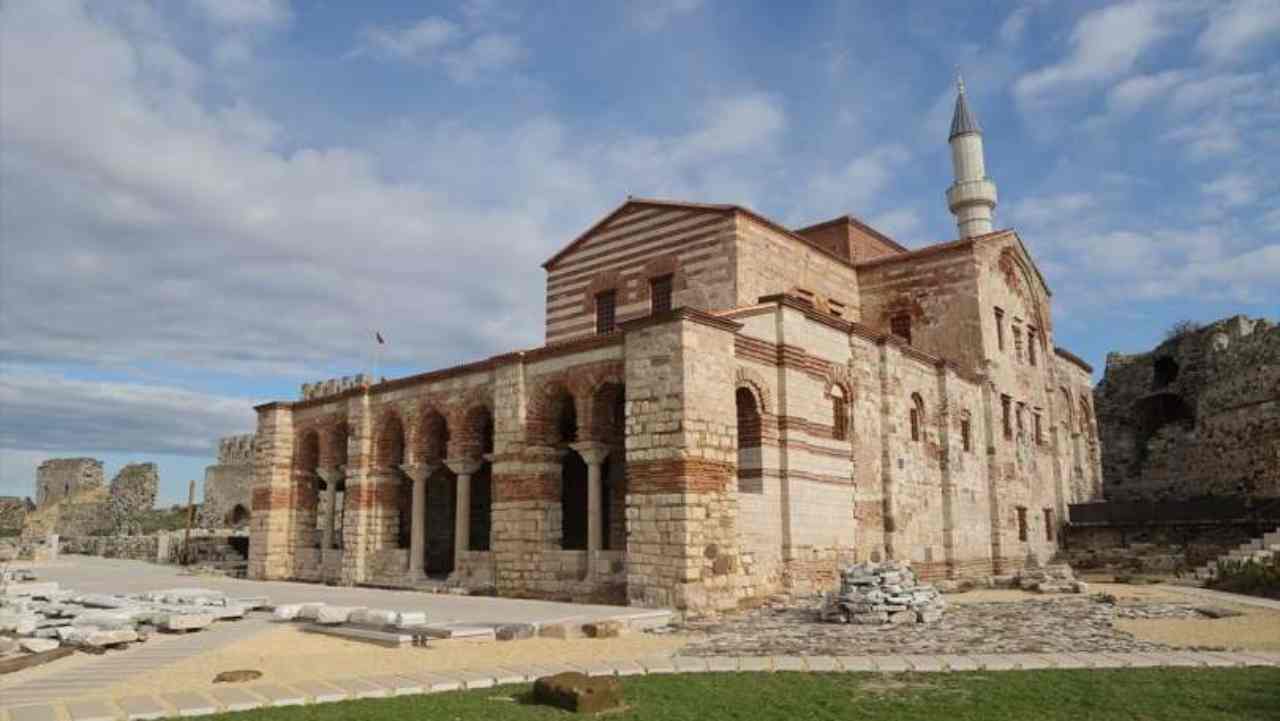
[(463, 466), (593, 452), (331, 474), (420, 472)]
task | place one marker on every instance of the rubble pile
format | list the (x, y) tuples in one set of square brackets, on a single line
[(36, 617), (879, 593), (1052, 578)]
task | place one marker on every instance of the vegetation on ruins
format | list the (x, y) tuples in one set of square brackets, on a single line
[(1253, 577), (1098, 695), (1181, 328)]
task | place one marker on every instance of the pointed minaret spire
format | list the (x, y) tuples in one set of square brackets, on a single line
[(972, 196)]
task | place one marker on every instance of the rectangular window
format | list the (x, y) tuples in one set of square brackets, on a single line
[(1031, 345), (966, 435), (1022, 409), (660, 294), (840, 419), (606, 303), (1048, 524), (1022, 523), (1000, 328), (1038, 429), (837, 308), (1005, 402), (900, 325), (1017, 344), (915, 424)]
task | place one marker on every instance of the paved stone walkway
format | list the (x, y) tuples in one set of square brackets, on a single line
[(83, 674), (239, 698)]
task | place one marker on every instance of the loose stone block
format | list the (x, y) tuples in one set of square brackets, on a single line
[(578, 692), (602, 629), (287, 612), (38, 645), (513, 631), (184, 621)]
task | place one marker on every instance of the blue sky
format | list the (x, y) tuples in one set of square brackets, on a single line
[(205, 203)]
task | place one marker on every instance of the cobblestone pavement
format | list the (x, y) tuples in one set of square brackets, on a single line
[(1059, 624)]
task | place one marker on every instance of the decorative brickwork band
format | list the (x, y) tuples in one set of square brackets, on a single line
[(679, 475)]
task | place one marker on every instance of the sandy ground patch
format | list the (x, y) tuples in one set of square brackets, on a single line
[(1122, 592), (1257, 629), (290, 654)]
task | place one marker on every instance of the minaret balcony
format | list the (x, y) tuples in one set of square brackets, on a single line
[(971, 192)]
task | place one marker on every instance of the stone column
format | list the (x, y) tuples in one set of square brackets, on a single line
[(331, 477), (593, 454), (419, 473), (463, 468)]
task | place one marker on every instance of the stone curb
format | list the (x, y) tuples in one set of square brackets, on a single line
[(236, 698)]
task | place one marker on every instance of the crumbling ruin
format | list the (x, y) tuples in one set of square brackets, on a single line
[(228, 485), (13, 512), (58, 478), (1197, 416)]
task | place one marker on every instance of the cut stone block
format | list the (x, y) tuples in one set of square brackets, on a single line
[(141, 708), (38, 645), (36, 712), (397, 685), (602, 629), (279, 695), (184, 621), (287, 612), (105, 619), (30, 589), (252, 603), (333, 615), (513, 631), (188, 703), (388, 638), (460, 630), (309, 611), (411, 618), (92, 711), (578, 692), (360, 688), (1218, 612), (235, 699), (374, 617)]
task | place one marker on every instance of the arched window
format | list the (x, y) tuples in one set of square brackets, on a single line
[(750, 472), (839, 414), (917, 417)]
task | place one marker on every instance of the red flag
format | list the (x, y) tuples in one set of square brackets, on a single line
[(378, 335)]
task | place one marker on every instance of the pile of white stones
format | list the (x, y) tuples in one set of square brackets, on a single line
[(326, 615), (37, 617), (880, 593)]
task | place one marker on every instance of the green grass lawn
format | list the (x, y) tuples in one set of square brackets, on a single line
[(1130, 694)]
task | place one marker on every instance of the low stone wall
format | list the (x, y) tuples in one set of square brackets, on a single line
[(135, 548), (1157, 549), (206, 547)]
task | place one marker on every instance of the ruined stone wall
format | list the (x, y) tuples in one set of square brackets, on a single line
[(132, 494), (1197, 416), (228, 485), (86, 512), (13, 512), (60, 477)]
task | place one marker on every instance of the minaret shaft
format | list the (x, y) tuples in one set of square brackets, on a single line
[(972, 197)]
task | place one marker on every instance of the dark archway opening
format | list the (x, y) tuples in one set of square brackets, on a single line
[(1156, 412), (442, 493), (573, 502), (1165, 372), (238, 516), (750, 479)]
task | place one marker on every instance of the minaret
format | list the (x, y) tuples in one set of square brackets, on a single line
[(973, 196)]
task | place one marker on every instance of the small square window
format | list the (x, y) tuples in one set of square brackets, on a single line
[(900, 325), (606, 304), (660, 294), (966, 434)]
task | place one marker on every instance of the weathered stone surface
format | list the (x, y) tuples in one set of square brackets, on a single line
[(38, 645), (602, 629), (133, 493), (184, 621), (287, 612), (1195, 416), (1218, 611), (331, 615), (109, 638), (579, 692), (228, 485), (58, 478), (238, 676), (8, 645), (375, 617), (513, 631)]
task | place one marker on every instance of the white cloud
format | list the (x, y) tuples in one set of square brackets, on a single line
[(49, 411), (1105, 44), (900, 224), (1015, 25), (1213, 90), (483, 54), (1208, 138), (653, 15), (1136, 92), (416, 42), (1232, 189), (1052, 209), (239, 13), (1237, 26), (854, 186)]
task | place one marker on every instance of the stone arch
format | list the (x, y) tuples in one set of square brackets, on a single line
[(390, 444), (607, 418), (308, 483), (1086, 427), (553, 416), (431, 440), (750, 439), (751, 380), (237, 516), (334, 447)]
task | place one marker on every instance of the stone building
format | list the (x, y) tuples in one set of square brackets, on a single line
[(1197, 416), (132, 494), (60, 477), (227, 484), (724, 408)]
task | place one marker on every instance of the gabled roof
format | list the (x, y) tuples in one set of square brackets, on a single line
[(955, 245), (713, 207), (857, 223)]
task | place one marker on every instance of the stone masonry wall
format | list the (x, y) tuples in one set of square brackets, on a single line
[(60, 477), (228, 484), (132, 494), (1199, 415), (13, 512)]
